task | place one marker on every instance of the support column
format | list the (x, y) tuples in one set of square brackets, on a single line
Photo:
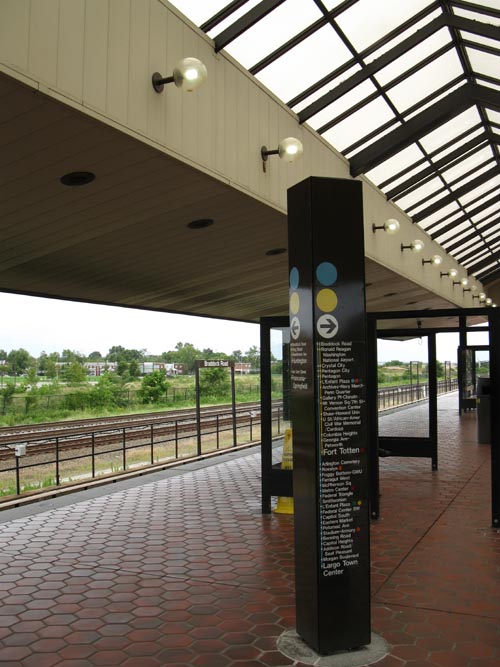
[(328, 377), (433, 411), (372, 417), (266, 437), (462, 343), (494, 341)]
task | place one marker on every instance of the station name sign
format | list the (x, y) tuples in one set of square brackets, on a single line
[(214, 363)]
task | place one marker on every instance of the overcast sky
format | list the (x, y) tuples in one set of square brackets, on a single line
[(52, 325)]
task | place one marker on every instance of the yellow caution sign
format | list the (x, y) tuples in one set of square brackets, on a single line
[(285, 504)]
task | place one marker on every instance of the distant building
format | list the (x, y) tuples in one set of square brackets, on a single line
[(97, 368), (242, 368), (147, 367)]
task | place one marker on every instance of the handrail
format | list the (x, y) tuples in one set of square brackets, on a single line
[(392, 397), (122, 448), (65, 460)]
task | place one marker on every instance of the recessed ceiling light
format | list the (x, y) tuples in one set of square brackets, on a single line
[(75, 178), (275, 251), (201, 223)]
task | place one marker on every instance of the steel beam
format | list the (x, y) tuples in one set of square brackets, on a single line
[(245, 22), (490, 276), (222, 15), (444, 20), (458, 154), (456, 194), (301, 36), (492, 257), (404, 135), (463, 218)]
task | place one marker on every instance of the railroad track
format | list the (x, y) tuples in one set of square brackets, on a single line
[(127, 432), (24, 433), (114, 439)]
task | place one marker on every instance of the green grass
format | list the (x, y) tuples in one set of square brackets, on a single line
[(44, 483), (37, 477), (247, 389)]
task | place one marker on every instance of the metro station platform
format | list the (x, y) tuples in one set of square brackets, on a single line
[(181, 568)]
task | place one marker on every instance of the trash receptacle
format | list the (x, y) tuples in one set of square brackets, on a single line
[(483, 411)]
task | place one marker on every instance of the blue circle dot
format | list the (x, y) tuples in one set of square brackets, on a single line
[(326, 273), (294, 278)]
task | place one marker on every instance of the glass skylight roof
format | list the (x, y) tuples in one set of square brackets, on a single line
[(374, 23), (357, 71), (321, 53)]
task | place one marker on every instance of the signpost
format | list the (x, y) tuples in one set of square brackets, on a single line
[(328, 400), (213, 363)]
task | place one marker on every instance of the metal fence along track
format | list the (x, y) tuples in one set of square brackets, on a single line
[(86, 451)]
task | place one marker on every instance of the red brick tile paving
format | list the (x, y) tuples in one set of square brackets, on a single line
[(186, 571)]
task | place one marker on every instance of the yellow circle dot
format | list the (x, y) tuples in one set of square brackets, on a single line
[(294, 303), (326, 300)]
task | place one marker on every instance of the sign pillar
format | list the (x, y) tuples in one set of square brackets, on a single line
[(328, 376)]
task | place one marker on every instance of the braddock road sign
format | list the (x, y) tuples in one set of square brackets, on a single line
[(214, 363)]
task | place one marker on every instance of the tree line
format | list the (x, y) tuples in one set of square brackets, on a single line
[(68, 364), (404, 372)]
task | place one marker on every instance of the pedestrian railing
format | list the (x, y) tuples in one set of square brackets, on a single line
[(392, 397), (38, 464)]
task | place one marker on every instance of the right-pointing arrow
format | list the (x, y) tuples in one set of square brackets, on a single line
[(327, 326)]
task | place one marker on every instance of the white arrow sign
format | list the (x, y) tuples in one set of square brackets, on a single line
[(295, 328), (327, 326)]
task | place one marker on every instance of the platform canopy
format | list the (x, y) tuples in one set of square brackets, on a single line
[(408, 91), (405, 90)]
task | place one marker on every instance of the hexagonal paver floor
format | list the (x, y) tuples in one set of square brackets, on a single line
[(186, 571)]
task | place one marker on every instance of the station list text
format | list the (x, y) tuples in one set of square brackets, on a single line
[(341, 392)]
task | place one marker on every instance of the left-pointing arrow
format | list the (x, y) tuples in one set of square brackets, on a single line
[(295, 328)]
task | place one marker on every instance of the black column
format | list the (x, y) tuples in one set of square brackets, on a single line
[(266, 415), (462, 343), (328, 392), (372, 418), (494, 334), (433, 406)]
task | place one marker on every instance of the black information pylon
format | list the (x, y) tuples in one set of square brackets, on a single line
[(328, 401)]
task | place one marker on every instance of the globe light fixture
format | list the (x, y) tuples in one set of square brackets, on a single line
[(435, 259), (414, 246), (452, 273), (463, 281), (188, 74), (481, 297), (289, 150), (390, 226)]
